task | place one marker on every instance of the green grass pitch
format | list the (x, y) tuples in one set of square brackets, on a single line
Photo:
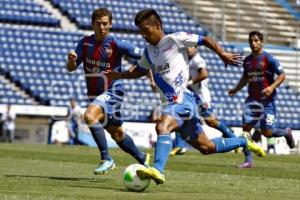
[(44, 172)]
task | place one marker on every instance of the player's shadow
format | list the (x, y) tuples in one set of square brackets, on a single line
[(103, 181), (59, 178)]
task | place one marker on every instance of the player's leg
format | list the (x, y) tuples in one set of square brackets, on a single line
[(164, 127), (195, 136), (126, 143), (222, 145), (268, 126), (252, 113), (163, 146), (212, 121), (94, 113), (179, 145), (248, 163), (11, 137), (173, 116)]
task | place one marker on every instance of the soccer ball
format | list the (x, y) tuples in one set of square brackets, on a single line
[(132, 181)]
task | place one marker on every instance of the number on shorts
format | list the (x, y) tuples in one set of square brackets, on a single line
[(270, 119)]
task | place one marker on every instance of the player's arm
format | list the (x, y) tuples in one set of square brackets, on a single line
[(280, 77), (243, 81), (132, 73), (269, 90), (228, 58), (71, 63), (75, 57), (202, 75), (131, 51), (152, 82), (141, 69)]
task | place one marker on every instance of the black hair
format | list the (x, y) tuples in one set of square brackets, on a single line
[(258, 34), (147, 14)]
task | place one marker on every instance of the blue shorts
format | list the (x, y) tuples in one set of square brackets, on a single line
[(257, 113), (186, 115), (111, 102)]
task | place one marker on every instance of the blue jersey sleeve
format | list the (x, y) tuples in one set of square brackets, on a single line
[(275, 65), (129, 50), (79, 52)]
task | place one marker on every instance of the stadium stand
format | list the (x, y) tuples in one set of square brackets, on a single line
[(241, 17), (33, 58), (26, 12), (12, 96), (293, 7), (124, 11)]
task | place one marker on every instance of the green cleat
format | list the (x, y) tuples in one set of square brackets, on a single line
[(151, 172), (252, 146), (147, 160), (104, 167)]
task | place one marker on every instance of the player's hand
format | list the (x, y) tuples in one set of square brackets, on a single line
[(72, 56), (267, 91), (231, 92), (112, 75), (234, 59)]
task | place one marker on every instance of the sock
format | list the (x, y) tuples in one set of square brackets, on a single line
[(227, 133), (100, 139), (248, 155), (279, 132), (162, 151), (128, 146), (179, 142), (228, 144)]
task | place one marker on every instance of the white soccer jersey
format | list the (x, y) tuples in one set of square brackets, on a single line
[(169, 63), (201, 88)]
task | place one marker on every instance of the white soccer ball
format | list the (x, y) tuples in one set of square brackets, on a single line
[(132, 181)]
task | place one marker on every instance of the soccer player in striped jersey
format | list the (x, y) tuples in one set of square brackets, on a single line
[(166, 56), (100, 52), (259, 71)]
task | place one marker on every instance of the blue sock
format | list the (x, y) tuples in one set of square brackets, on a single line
[(227, 133), (248, 155), (162, 151), (128, 146), (179, 142), (100, 139), (279, 132), (228, 144)]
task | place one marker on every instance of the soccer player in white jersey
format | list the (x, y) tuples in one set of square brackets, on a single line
[(166, 56), (198, 83)]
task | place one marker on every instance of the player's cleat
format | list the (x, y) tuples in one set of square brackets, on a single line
[(178, 151), (147, 160), (247, 164), (289, 138), (151, 173), (105, 166), (252, 146)]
